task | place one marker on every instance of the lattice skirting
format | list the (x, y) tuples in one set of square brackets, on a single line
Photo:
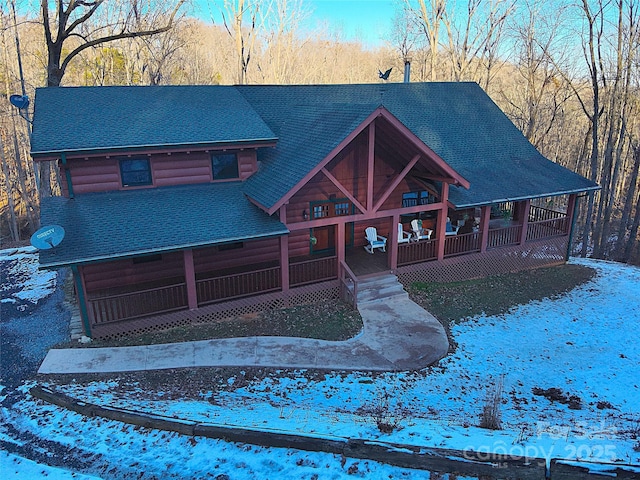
[(305, 295), (494, 262)]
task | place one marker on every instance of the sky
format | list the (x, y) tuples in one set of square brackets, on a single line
[(368, 21), (577, 343)]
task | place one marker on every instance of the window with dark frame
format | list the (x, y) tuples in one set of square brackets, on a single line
[(412, 199), (331, 208), (225, 166), (321, 211), (343, 208), (135, 172)]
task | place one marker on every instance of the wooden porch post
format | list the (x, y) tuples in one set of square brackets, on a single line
[(524, 214), (441, 225), (340, 248), (82, 299), (570, 220), (393, 258), (571, 207), (485, 216), (190, 279), (371, 165), (284, 253)]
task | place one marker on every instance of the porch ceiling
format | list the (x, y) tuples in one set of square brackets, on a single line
[(397, 150), (109, 225)]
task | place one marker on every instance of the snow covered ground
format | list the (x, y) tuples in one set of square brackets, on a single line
[(582, 347)]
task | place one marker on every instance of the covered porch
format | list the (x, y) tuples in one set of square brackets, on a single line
[(264, 272)]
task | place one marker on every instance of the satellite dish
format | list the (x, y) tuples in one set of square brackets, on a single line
[(47, 237), (19, 101)]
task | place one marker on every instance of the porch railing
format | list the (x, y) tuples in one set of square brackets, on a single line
[(416, 252), (125, 306), (547, 228), (348, 285), (312, 271), (501, 237), (238, 285), (461, 244), (540, 214)]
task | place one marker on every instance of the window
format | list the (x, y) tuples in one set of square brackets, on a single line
[(411, 199), (135, 172), (225, 165), (331, 208), (321, 211), (342, 208)]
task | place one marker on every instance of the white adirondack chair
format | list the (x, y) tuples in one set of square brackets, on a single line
[(375, 240), (420, 233), (403, 237)]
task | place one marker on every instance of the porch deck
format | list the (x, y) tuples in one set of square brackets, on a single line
[(365, 264)]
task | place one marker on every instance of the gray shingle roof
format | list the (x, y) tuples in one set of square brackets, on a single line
[(117, 224), (70, 119), (458, 121)]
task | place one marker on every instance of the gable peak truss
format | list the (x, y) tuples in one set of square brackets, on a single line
[(449, 174)]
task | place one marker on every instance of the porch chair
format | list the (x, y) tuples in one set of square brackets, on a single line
[(451, 230), (375, 240), (403, 237), (420, 233)]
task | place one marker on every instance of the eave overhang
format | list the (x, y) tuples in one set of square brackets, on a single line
[(43, 156)]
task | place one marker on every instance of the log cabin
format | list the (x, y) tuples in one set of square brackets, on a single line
[(187, 204)]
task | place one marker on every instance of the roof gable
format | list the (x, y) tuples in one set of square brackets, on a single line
[(69, 119), (458, 121)]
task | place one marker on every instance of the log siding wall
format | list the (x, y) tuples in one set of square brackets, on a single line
[(102, 174), (121, 273)]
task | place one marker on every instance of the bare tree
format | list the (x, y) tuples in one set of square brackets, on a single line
[(475, 43), (541, 95), (429, 15), (282, 40), (242, 20), (70, 25)]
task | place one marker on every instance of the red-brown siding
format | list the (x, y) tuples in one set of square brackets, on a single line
[(94, 175), (247, 163), (299, 245), (181, 169), (108, 275), (258, 251), (101, 174)]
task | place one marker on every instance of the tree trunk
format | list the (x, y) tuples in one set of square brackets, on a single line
[(13, 221), (633, 238), (625, 219), (54, 72)]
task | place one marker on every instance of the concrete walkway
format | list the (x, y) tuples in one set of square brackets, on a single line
[(398, 335)]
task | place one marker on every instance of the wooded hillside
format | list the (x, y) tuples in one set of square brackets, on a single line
[(566, 72)]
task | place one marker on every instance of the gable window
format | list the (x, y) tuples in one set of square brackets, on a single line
[(321, 211), (135, 172), (411, 199), (331, 208), (225, 166), (343, 208)]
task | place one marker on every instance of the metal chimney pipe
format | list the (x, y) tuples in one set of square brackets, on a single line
[(407, 70)]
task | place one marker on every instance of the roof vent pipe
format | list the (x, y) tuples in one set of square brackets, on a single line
[(407, 70)]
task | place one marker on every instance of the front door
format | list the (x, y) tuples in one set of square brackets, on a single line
[(325, 239)]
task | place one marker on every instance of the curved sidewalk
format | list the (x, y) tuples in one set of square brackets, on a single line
[(398, 335)]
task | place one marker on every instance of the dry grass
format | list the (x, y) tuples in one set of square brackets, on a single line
[(457, 301)]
